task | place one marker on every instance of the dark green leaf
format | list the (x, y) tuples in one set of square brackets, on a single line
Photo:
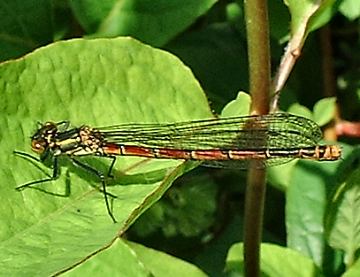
[(343, 220), (305, 206), (151, 21), (24, 26)]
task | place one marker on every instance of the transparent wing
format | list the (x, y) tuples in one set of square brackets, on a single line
[(279, 130)]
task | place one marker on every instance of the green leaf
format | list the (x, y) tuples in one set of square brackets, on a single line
[(343, 216), (154, 22), (126, 258), (301, 110), (280, 176), (151, 258), (276, 261), (24, 26), (324, 110), (308, 15), (305, 207), (117, 260), (354, 270), (324, 14), (238, 107), (350, 9), (98, 82)]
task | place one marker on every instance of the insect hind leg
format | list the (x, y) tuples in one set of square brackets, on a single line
[(101, 176)]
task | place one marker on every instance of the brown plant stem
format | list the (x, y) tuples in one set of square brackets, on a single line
[(259, 74)]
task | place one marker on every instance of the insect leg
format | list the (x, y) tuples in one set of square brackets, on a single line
[(101, 176), (53, 177), (113, 160)]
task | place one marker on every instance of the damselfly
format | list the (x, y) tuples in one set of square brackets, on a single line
[(227, 142)]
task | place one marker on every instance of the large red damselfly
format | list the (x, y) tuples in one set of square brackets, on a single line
[(227, 142)]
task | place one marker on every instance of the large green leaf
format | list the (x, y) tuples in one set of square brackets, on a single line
[(126, 258), (97, 82), (154, 21)]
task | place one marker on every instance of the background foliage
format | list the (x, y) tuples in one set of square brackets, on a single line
[(104, 77)]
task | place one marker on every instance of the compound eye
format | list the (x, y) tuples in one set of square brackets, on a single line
[(38, 146)]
